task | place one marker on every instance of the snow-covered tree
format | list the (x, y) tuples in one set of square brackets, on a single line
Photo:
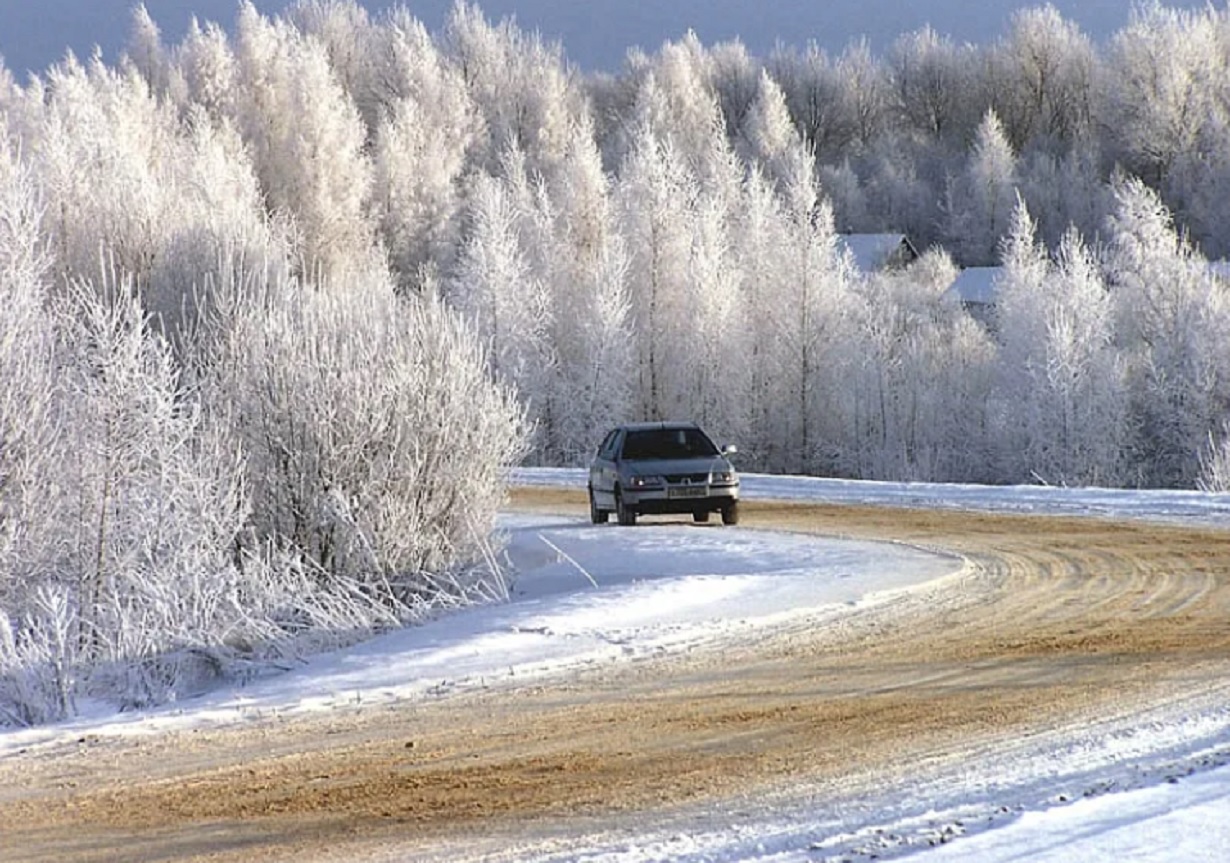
[(654, 196), (520, 83), (1042, 73), (206, 65), (146, 51), (497, 291), (735, 78), (29, 416), (1159, 88), (769, 139), (426, 127), (809, 352), (307, 142), (156, 507), (978, 203), (568, 233), (933, 90), (922, 375), (1062, 382), (1172, 319)]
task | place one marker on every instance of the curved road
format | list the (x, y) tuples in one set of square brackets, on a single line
[(1054, 624)]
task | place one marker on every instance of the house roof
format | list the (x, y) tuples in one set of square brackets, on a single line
[(873, 251), (975, 286)]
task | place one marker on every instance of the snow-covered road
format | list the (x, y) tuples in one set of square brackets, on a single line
[(585, 597)]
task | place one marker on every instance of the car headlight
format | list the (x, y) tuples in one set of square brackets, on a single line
[(646, 481), (723, 477)]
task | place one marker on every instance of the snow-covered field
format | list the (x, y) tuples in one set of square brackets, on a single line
[(584, 595)]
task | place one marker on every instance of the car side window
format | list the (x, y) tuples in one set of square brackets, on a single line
[(607, 450)]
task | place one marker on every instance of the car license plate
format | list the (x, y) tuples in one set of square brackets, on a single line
[(687, 491)]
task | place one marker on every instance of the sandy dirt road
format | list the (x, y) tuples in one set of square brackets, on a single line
[(1054, 621)]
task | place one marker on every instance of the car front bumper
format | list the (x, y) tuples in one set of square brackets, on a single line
[(662, 500)]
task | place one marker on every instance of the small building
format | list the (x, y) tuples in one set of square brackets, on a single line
[(872, 252), (976, 289)]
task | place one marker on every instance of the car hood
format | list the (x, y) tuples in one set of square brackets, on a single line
[(677, 465)]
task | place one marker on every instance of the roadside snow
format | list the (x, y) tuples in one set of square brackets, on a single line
[(1186, 820), (580, 595)]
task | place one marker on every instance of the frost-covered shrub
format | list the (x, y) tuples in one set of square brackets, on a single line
[(1215, 462), (38, 660), (376, 443)]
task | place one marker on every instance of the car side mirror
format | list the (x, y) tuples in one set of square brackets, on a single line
[(730, 449)]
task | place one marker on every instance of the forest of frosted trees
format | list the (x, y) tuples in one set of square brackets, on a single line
[(281, 303)]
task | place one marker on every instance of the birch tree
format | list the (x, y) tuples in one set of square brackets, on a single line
[(978, 203), (30, 498), (307, 142), (426, 129), (1043, 72), (1172, 318), (1064, 387)]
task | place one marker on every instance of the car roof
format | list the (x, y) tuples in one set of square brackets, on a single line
[(659, 426)]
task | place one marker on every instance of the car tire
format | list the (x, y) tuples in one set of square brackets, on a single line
[(626, 516), (730, 513), (596, 516), (700, 516)]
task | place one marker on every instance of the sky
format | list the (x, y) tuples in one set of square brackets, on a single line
[(596, 34), (1147, 788)]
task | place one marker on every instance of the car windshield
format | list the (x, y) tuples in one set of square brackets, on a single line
[(668, 444)]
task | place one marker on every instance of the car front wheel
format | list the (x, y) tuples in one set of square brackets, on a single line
[(730, 513), (597, 516), (623, 514)]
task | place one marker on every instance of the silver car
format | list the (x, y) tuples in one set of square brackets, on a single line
[(657, 468)]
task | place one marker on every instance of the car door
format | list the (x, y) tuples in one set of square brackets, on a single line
[(602, 471)]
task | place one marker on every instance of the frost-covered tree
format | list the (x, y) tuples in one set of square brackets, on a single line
[(146, 52), (934, 93), (1173, 320), (809, 352), (928, 366), (1042, 80), (568, 232), (839, 106), (307, 142), (106, 150), (1063, 388), (497, 291), (426, 126), (1158, 86), (155, 506), (978, 203), (654, 195), (159, 192), (813, 94), (674, 101), (1020, 296), (347, 33), (763, 231), (521, 85), (1063, 192), (735, 78), (769, 139), (29, 416), (207, 69)]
